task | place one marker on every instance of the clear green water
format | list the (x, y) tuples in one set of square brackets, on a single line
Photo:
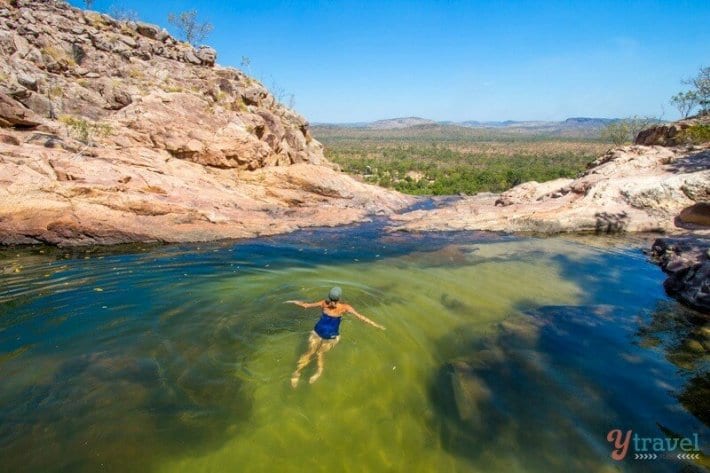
[(500, 355)]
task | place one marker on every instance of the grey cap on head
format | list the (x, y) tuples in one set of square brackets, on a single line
[(335, 294)]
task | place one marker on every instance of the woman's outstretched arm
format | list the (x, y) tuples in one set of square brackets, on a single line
[(305, 305), (363, 318)]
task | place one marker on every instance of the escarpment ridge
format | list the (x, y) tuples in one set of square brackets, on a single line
[(114, 131)]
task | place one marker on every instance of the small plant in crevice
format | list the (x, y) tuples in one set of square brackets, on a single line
[(84, 130), (57, 55)]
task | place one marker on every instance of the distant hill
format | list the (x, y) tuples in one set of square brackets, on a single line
[(574, 127), (395, 123), (585, 121), (504, 124), (574, 122), (386, 124)]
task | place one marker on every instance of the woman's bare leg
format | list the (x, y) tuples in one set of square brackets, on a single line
[(320, 358), (314, 342)]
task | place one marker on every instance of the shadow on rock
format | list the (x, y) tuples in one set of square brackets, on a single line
[(692, 162), (611, 222)]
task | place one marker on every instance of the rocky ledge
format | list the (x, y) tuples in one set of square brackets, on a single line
[(669, 134), (629, 189), (114, 131), (687, 263)]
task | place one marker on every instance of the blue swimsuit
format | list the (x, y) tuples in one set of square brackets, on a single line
[(327, 327)]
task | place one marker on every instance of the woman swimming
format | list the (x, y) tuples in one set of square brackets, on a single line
[(326, 332)]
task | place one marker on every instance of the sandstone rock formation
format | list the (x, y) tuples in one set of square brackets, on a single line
[(634, 189), (670, 134), (687, 263), (113, 131)]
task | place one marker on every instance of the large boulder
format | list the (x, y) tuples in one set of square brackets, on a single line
[(207, 55), (147, 30), (37, 103), (687, 263), (670, 134), (662, 135), (13, 114), (698, 214)]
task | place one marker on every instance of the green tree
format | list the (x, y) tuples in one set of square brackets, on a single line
[(191, 30), (625, 131), (122, 13), (685, 102), (636, 124), (616, 132), (246, 64), (700, 89)]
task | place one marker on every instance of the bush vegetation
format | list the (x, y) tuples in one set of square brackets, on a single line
[(85, 131), (696, 134), (697, 96), (448, 168), (190, 29), (624, 131)]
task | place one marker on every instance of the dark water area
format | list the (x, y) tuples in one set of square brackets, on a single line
[(431, 203), (501, 353)]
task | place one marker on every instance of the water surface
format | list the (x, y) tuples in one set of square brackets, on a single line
[(500, 354)]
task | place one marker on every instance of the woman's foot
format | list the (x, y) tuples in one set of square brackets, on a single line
[(314, 378), (294, 380)]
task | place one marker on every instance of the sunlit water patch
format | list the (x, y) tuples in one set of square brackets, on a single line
[(500, 354)]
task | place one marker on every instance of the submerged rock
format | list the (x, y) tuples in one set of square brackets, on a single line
[(550, 382)]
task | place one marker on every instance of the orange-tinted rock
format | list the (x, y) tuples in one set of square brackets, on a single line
[(14, 114), (670, 134)]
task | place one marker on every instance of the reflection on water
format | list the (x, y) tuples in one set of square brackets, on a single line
[(684, 336), (550, 382), (500, 354)]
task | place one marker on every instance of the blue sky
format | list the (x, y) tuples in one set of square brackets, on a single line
[(458, 60)]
